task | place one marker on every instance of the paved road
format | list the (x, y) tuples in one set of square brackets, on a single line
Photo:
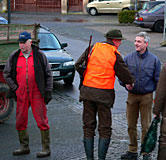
[(80, 27)]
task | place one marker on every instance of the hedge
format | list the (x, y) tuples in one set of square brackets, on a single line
[(126, 16)]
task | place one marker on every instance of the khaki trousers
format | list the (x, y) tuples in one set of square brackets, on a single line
[(138, 104), (90, 111)]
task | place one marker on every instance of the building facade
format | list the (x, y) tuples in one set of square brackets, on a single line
[(49, 6)]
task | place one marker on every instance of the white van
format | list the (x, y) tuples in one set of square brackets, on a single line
[(108, 6)]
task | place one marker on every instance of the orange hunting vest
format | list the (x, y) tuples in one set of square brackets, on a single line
[(100, 68)]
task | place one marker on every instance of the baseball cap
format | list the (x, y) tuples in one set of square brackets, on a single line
[(24, 36)]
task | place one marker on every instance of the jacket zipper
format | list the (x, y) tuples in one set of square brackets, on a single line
[(140, 63), (27, 74)]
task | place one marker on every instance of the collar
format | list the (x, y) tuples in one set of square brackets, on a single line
[(110, 42), (142, 55), (22, 55)]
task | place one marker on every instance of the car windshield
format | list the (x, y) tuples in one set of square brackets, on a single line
[(156, 8), (48, 41)]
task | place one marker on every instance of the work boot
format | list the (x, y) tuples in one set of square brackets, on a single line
[(24, 143), (103, 147), (89, 148), (45, 138), (146, 157), (129, 156), (161, 153)]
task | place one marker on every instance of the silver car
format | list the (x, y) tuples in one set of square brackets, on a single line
[(149, 5), (153, 19), (108, 6)]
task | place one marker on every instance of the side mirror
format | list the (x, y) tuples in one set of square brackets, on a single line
[(64, 45)]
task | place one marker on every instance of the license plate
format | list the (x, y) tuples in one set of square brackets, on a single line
[(56, 73)]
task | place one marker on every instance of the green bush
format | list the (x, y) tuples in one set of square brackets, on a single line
[(126, 16)]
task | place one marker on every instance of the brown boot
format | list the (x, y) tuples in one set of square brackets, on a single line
[(24, 143), (161, 153), (46, 152)]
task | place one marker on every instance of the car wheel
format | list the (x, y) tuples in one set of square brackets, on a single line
[(125, 9), (152, 29), (93, 11), (6, 105), (159, 26), (69, 81)]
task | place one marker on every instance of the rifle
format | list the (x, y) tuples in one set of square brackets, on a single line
[(85, 62)]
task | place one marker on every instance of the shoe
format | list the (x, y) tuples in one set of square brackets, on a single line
[(146, 157), (130, 156)]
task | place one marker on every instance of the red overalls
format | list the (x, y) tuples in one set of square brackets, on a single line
[(28, 95)]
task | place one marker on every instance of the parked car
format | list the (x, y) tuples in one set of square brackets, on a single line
[(149, 5), (61, 62), (153, 19), (108, 6), (3, 20)]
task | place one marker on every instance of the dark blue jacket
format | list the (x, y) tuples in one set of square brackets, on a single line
[(145, 68)]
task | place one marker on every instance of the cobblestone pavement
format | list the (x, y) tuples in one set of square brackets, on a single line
[(119, 140)]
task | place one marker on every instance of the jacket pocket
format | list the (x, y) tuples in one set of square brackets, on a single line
[(19, 69), (132, 68), (149, 71)]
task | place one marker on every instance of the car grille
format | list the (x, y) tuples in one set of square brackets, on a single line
[(54, 65)]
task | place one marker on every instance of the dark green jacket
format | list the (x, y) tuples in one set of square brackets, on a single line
[(105, 96)]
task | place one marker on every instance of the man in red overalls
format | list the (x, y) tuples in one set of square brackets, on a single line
[(28, 74)]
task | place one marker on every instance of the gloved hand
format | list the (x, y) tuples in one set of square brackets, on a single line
[(47, 97)]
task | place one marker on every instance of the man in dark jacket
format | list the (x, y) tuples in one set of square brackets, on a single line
[(97, 91), (28, 74), (145, 67), (160, 108)]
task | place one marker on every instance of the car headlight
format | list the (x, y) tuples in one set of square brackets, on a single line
[(70, 63)]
